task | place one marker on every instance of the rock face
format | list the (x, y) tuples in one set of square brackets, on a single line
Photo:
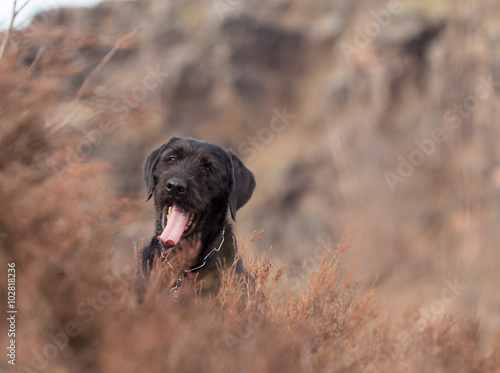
[(360, 151)]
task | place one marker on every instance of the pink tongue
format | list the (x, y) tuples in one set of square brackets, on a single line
[(175, 226)]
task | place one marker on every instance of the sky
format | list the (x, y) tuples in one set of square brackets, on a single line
[(33, 7)]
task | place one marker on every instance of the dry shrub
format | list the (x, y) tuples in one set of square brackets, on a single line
[(57, 219), (333, 303)]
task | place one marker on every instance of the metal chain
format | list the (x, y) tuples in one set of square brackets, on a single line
[(178, 282), (209, 254)]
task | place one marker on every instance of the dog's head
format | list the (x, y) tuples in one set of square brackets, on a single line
[(194, 183)]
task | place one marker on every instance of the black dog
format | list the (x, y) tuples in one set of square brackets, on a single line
[(194, 184)]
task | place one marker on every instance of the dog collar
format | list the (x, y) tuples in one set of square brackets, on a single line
[(198, 266), (179, 280), (205, 259)]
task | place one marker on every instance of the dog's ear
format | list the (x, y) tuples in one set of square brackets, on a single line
[(151, 163), (243, 184)]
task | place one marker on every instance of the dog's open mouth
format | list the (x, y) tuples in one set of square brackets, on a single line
[(176, 224)]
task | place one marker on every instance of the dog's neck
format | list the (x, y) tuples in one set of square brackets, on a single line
[(210, 250), (204, 258)]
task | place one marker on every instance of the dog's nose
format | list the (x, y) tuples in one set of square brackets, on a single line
[(176, 186)]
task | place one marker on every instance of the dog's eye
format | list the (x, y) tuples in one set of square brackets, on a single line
[(208, 170), (172, 159)]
